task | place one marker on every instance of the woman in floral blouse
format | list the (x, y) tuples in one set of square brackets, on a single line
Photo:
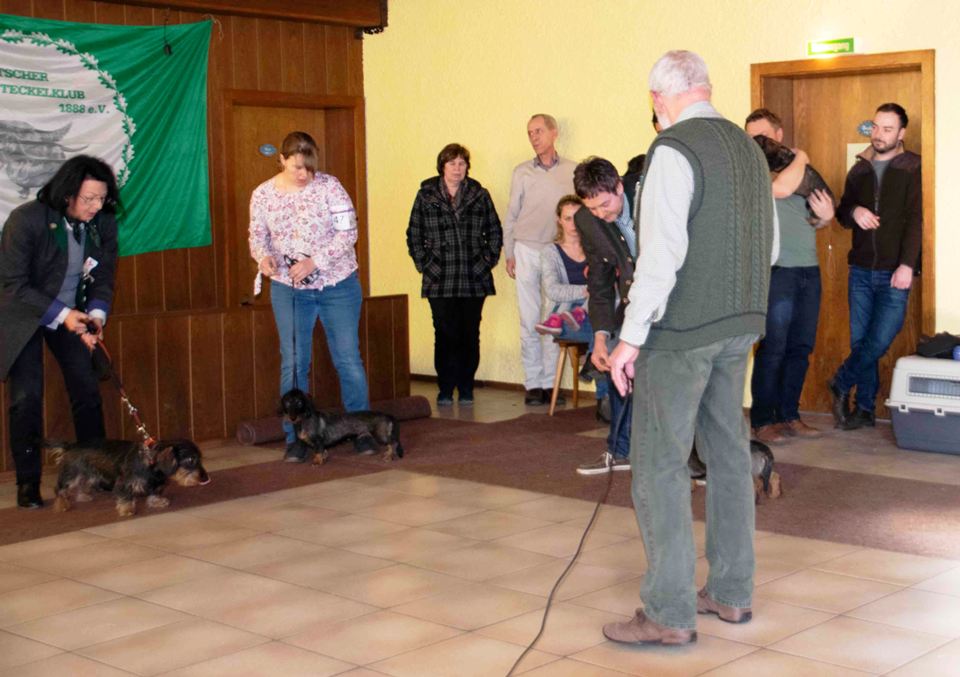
[(302, 233)]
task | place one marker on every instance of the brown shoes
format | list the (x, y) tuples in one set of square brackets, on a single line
[(769, 434), (641, 630), (797, 428), (731, 614)]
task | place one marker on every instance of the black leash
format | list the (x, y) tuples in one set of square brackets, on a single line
[(628, 402)]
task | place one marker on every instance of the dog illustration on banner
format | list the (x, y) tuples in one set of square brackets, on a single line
[(30, 156)]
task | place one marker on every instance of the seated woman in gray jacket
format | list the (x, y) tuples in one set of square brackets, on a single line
[(563, 269)]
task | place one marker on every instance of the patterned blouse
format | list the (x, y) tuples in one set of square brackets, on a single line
[(318, 221)]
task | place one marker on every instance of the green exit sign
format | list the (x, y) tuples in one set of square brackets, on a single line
[(829, 47)]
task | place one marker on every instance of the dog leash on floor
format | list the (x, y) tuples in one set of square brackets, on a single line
[(103, 366), (627, 403)]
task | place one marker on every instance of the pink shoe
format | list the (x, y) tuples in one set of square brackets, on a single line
[(552, 325), (574, 318)]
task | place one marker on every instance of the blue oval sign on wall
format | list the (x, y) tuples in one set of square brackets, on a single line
[(865, 128), (268, 150)]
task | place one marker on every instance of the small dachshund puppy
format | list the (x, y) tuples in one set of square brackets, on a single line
[(320, 431), (766, 480), (779, 156), (129, 469)]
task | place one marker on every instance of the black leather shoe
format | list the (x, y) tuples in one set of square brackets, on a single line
[(603, 409), (28, 496), (861, 418), (839, 405), (534, 396), (547, 394)]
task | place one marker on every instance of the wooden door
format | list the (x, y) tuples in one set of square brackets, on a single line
[(822, 105)]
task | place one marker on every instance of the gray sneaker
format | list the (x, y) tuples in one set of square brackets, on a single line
[(604, 464)]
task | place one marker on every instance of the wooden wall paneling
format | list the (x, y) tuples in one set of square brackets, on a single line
[(355, 67), (206, 375), (173, 376), (239, 374), (353, 13), (48, 9), (269, 57), (401, 345), (18, 7), (335, 39), (82, 11), (377, 347), (315, 58), (292, 61), (778, 97), (266, 363), (138, 371), (245, 53)]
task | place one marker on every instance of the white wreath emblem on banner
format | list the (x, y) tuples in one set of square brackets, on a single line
[(55, 102)]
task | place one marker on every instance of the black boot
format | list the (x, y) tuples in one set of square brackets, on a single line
[(28, 496), (861, 418), (839, 405)]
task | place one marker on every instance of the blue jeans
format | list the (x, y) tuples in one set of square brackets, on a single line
[(338, 307), (584, 334), (780, 364), (679, 395), (877, 311)]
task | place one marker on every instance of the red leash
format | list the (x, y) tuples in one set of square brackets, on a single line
[(103, 365)]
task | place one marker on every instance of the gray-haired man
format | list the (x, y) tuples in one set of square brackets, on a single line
[(536, 187), (698, 303)]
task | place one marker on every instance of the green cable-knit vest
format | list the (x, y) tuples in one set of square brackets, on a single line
[(721, 289)]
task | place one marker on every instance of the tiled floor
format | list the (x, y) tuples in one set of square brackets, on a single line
[(402, 574)]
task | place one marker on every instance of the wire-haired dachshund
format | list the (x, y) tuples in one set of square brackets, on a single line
[(319, 431), (129, 469), (779, 156), (766, 480)]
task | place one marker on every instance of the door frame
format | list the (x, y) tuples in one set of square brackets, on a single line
[(918, 60), (248, 97)]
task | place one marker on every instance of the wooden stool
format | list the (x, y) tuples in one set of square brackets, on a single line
[(575, 349)]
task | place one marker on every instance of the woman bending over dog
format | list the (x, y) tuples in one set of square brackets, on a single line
[(57, 259), (303, 229)]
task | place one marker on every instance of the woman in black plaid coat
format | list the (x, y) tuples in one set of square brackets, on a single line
[(454, 239)]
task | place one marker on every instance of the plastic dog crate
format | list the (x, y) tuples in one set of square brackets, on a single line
[(925, 404)]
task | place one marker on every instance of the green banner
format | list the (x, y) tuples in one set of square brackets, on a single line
[(118, 93)]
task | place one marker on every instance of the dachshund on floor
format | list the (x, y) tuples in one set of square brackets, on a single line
[(320, 431), (766, 480), (130, 469)]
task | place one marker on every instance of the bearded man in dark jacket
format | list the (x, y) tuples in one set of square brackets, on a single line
[(882, 204)]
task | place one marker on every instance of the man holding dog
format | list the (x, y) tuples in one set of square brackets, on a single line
[(57, 260), (882, 204), (698, 302), (536, 187), (781, 361)]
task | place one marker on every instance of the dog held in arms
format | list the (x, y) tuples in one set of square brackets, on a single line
[(130, 469), (319, 431), (766, 480)]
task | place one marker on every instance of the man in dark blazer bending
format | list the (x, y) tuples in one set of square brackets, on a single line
[(58, 254), (609, 238)]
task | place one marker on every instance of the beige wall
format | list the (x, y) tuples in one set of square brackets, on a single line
[(473, 71)]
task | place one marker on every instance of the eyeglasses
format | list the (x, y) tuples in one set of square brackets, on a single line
[(93, 199)]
